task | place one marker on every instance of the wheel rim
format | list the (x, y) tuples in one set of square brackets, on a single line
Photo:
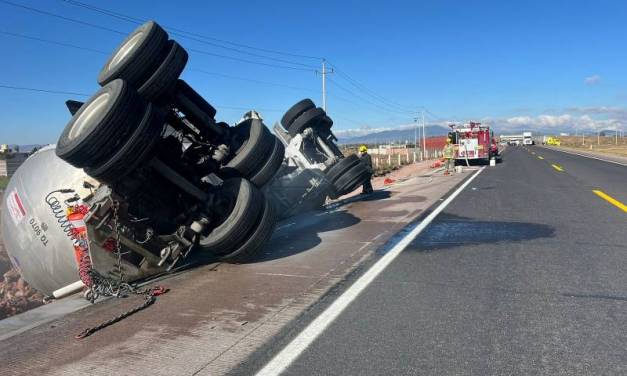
[(87, 116), (125, 50)]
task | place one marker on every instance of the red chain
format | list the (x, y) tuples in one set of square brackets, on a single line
[(84, 268)]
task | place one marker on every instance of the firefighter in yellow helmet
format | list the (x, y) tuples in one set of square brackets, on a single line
[(449, 156), (367, 160)]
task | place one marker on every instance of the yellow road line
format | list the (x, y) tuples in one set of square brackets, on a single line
[(539, 157), (557, 167), (611, 200)]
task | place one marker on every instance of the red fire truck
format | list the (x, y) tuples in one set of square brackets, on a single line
[(474, 142)]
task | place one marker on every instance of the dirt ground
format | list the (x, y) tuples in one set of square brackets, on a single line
[(605, 145)]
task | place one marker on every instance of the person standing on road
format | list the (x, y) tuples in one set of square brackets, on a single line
[(367, 159), (449, 156)]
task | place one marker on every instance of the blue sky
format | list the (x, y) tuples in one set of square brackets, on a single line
[(531, 64)]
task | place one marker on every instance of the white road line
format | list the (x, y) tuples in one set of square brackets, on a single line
[(587, 156), (283, 359)]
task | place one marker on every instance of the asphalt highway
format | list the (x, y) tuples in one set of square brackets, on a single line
[(523, 273)]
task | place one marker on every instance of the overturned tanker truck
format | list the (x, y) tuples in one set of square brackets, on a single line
[(143, 176)]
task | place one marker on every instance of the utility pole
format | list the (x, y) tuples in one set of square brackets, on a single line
[(415, 137), (324, 73), (424, 135)]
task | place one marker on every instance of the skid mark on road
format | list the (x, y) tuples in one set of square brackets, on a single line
[(611, 200), (558, 167)]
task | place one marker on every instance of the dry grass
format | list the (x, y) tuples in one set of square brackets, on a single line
[(606, 145)]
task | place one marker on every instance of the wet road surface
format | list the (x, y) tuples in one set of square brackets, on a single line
[(524, 273), (216, 315)]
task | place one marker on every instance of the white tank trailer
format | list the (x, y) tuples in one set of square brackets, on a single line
[(143, 175)]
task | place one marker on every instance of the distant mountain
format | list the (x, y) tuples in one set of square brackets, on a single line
[(29, 148), (553, 131), (392, 135)]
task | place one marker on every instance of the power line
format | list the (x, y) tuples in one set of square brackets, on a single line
[(194, 36), (310, 67), (183, 34), (333, 95), (349, 120), (371, 93), (247, 108), (62, 17), (16, 35), (386, 105), (119, 32), (434, 116), (63, 44), (248, 61), (251, 80), (367, 100), (43, 90), (11, 87)]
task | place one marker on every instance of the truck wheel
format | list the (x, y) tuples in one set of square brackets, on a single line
[(250, 249), (183, 90), (237, 216), (137, 57), (198, 111), (273, 162), (341, 167), (252, 144), (325, 123), (307, 119), (137, 149), (101, 125), (351, 180), (295, 111), (164, 79)]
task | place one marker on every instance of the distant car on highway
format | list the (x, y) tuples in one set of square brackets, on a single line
[(527, 140)]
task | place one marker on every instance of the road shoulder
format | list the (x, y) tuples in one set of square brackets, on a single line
[(214, 318)]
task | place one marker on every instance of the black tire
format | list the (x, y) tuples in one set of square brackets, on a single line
[(247, 203), (164, 79), (137, 57), (101, 125), (199, 112), (325, 123), (192, 97), (256, 241), (308, 119), (255, 144), (341, 167), (295, 111), (351, 180), (270, 168), (137, 150)]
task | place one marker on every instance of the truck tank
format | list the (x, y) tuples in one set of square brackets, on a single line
[(34, 239)]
